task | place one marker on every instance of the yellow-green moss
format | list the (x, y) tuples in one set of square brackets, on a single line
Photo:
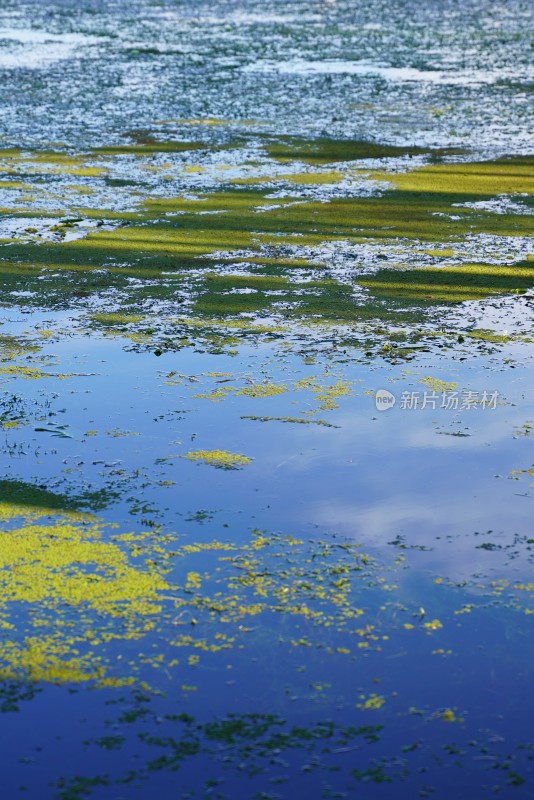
[(451, 284), (262, 390), (488, 178), (70, 563), (219, 458), (437, 385), (116, 318)]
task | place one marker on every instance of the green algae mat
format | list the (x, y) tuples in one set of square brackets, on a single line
[(266, 405)]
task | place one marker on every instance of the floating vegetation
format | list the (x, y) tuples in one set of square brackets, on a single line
[(437, 385), (262, 390), (30, 373), (296, 420), (226, 602), (219, 458)]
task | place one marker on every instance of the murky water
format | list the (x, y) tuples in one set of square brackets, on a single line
[(226, 232)]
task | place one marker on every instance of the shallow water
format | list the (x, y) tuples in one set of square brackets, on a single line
[(226, 570)]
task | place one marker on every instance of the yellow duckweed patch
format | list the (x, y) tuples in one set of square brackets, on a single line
[(12, 511), (12, 347), (50, 162), (30, 373), (372, 703), (116, 318), (78, 590), (262, 390), (437, 385), (45, 659), (326, 395), (13, 370), (10, 424), (314, 177), (443, 253), (522, 472), (219, 458), (193, 580), (67, 563), (448, 715), (434, 625), (216, 395)]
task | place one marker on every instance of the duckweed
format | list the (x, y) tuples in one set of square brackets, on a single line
[(219, 458)]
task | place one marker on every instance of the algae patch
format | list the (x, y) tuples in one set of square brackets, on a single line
[(75, 590), (221, 459), (237, 253)]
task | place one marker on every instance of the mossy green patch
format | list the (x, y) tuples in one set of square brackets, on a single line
[(175, 246), (485, 335), (263, 283), (313, 178), (451, 284), (327, 150), (239, 325), (115, 318), (486, 178), (222, 295), (50, 162)]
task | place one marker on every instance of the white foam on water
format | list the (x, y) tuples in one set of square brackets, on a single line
[(31, 48), (396, 74)]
